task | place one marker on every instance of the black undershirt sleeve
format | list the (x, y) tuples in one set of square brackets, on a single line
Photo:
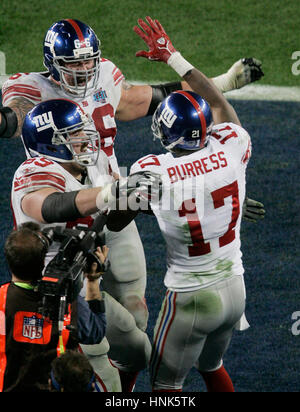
[(60, 207), (161, 91)]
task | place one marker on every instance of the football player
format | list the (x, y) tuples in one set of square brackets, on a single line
[(66, 181), (199, 213)]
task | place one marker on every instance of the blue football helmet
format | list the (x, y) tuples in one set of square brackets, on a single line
[(59, 130), (183, 120), (71, 41)]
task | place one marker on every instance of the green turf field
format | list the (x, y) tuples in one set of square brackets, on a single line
[(212, 34)]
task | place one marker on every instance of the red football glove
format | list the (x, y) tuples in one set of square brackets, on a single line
[(159, 43)]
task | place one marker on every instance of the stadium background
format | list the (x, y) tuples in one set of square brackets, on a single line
[(212, 35)]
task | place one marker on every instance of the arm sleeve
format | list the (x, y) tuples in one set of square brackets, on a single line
[(91, 325)]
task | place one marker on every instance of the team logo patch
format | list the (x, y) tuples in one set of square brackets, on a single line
[(31, 327), (100, 96)]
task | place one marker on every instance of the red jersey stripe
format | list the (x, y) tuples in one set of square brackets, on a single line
[(117, 74), (23, 88), (44, 178), (118, 81), (41, 185), (21, 91), (36, 100)]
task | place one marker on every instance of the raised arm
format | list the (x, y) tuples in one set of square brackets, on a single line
[(162, 49)]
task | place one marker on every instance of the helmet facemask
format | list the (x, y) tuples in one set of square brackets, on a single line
[(83, 136), (80, 82)]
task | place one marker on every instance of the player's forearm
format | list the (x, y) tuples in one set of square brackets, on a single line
[(221, 108), (119, 219), (69, 206), (50, 206), (86, 201)]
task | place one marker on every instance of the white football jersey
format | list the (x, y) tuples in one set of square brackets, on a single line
[(40, 173), (101, 104), (200, 210)]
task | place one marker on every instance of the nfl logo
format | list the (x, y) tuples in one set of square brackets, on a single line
[(100, 96), (32, 327)]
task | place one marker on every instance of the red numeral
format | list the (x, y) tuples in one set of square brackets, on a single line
[(199, 247), (218, 198), (42, 162), (188, 209), (150, 160), (98, 114), (16, 76), (223, 139)]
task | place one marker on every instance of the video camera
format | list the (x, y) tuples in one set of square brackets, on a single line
[(63, 276)]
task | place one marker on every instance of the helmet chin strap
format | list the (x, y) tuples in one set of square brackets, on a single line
[(172, 145), (55, 81)]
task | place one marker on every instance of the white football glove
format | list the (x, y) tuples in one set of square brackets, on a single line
[(139, 187), (241, 73)]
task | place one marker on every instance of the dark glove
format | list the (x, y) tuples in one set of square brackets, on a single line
[(253, 210), (254, 68), (143, 185)]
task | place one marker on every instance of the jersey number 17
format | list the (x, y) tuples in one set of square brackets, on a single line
[(188, 209)]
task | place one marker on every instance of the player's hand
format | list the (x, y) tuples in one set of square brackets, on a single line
[(253, 210), (143, 185), (154, 35), (246, 71), (252, 69)]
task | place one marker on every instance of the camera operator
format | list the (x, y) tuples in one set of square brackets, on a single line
[(72, 372), (24, 332)]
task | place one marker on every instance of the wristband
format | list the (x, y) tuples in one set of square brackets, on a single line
[(3, 124), (9, 122), (105, 198), (179, 64), (96, 306), (60, 207), (159, 92)]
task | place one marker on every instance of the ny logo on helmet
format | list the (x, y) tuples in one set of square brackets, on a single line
[(168, 117), (44, 121), (50, 38)]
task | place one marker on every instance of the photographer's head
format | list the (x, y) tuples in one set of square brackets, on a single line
[(25, 250), (72, 372)]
